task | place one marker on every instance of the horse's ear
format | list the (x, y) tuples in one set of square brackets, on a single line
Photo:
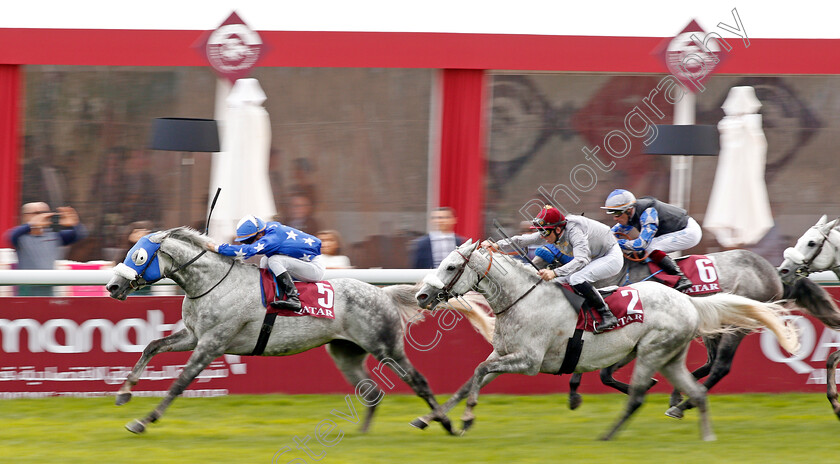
[(467, 243), (822, 220), (831, 225)]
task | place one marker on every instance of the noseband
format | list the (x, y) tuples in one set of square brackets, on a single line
[(803, 269)]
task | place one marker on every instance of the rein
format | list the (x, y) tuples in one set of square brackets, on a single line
[(141, 281), (486, 272)]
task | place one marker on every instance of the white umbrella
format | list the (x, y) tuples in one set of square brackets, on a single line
[(241, 168), (739, 209)]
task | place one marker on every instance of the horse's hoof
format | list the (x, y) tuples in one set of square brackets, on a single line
[(575, 401), (710, 437), (135, 426), (122, 398), (674, 412), (419, 423), (466, 425), (674, 401)]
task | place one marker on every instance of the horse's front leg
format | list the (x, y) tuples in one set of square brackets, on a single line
[(210, 347), (575, 400), (182, 340), (831, 392), (520, 363)]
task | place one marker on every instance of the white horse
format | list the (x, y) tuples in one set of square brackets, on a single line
[(534, 322), (817, 250), (223, 313)]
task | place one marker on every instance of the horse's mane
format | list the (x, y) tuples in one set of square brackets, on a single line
[(189, 234), (509, 259)]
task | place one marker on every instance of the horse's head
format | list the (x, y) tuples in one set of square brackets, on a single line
[(813, 252), (143, 265), (453, 278)]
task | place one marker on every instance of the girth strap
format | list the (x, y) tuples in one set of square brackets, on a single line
[(265, 332), (572, 356)]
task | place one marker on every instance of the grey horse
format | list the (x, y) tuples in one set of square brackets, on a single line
[(223, 313), (534, 322), (740, 272), (817, 250)]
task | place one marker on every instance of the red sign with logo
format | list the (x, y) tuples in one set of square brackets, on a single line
[(692, 55), (85, 346), (233, 49)]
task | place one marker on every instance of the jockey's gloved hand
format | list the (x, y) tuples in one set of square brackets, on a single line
[(552, 255)]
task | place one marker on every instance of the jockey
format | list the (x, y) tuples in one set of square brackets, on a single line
[(663, 228), (594, 251), (288, 253)]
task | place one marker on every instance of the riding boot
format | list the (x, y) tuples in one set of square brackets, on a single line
[(596, 303), (287, 286), (670, 266)]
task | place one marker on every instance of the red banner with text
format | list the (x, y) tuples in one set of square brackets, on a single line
[(85, 346)]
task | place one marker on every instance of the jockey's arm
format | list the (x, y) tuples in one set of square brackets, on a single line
[(649, 221), (521, 241), (581, 255), (242, 251)]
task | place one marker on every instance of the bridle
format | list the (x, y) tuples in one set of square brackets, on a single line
[(141, 281), (803, 269), (446, 292)]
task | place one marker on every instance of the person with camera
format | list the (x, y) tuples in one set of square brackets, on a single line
[(38, 241)]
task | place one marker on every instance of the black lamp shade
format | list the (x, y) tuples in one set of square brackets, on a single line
[(185, 134), (695, 140)]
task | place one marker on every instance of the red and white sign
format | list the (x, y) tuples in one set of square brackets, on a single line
[(233, 49), (85, 346), (692, 55)]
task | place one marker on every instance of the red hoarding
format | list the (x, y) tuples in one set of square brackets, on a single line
[(85, 346)]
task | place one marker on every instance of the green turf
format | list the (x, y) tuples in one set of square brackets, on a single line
[(789, 428)]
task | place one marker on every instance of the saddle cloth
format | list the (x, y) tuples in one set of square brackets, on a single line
[(698, 268), (623, 302), (316, 299)]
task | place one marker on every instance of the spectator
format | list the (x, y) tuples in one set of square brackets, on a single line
[(40, 238), (300, 214), (430, 249), (331, 255)]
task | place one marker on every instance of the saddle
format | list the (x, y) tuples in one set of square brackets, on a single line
[(316, 299), (698, 268)]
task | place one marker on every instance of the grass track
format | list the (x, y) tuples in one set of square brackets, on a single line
[(789, 428)]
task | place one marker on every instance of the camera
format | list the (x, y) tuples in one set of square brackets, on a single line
[(56, 221)]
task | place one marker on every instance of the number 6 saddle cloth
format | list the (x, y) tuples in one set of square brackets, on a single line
[(316, 299), (698, 268)]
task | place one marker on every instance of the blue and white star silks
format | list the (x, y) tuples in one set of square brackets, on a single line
[(649, 221), (278, 239)]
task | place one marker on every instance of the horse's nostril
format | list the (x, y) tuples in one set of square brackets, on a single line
[(422, 296), (785, 271)]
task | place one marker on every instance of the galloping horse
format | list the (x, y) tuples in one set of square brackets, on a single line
[(817, 250), (534, 321), (223, 313), (740, 272)]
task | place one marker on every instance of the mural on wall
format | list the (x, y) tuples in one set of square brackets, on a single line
[(542, 122)]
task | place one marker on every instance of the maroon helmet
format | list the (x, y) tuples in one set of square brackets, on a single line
[(548, 219)]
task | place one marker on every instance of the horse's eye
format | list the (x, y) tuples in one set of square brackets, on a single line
[(812, 243), (450, 268)]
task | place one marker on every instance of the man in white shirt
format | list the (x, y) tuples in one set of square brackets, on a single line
[(429, 250)]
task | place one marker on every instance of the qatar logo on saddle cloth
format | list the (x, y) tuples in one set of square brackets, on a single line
[(698, 268), (316, 299), (624, 302)]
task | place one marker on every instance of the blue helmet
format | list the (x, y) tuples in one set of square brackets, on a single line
[(248, 227)]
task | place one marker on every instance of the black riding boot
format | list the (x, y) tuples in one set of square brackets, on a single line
[(596, 302), (292, 301), (670, 266)]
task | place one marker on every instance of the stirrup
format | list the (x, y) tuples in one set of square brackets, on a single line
[(603, 327)]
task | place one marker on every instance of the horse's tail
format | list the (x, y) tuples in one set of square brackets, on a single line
[(811, 297), (725, 309), (472, 305)]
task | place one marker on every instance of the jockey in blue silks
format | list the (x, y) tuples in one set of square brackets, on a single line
[(663, 228), (288, 253)]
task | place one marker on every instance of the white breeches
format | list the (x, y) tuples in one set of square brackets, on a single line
[(305, 271), (598, 269), (679, 240)]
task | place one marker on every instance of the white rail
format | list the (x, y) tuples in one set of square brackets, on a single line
[(373, 276), (101, 277)]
